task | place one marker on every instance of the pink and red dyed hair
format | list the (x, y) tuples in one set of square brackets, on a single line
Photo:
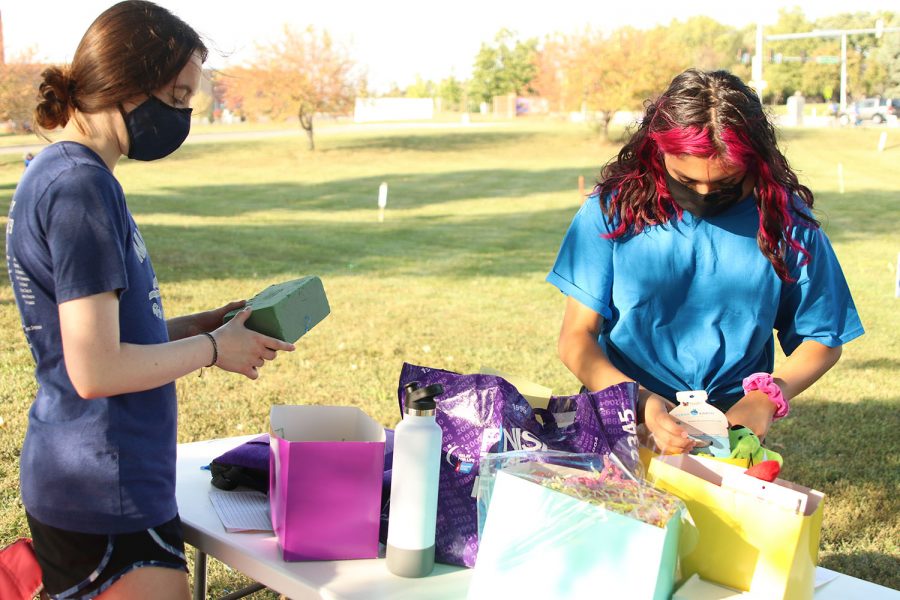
[(707, 114)]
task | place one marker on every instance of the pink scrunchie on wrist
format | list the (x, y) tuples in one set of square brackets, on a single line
[(766, 384)]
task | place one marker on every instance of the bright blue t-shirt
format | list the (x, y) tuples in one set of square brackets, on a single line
[(105, 465), (692, 304)]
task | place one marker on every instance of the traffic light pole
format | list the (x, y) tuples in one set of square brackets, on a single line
[(842, 33)]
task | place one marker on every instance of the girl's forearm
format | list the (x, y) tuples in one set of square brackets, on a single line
[(134, 367), (804, 367), (583, 356)]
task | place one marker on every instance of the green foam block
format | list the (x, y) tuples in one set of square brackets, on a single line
[(287, 310)]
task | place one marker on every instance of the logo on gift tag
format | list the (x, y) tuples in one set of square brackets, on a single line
[(702, 421)]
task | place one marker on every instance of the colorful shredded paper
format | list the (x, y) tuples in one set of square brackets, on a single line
[(610, 489)]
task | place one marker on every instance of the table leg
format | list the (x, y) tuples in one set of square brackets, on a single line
[(199, 575), (250, 589)]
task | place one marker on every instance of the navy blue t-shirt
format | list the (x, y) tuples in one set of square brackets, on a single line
[(105, 465)]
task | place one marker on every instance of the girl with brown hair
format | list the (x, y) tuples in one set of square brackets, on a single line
[(97, 467)]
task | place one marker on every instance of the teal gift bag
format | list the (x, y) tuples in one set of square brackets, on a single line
[(541, 541)]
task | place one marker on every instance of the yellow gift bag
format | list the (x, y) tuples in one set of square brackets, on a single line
[(752, 535)]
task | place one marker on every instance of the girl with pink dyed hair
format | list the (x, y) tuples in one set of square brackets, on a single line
[(697, 246)]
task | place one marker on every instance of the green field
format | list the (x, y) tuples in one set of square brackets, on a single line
[(454, 278)]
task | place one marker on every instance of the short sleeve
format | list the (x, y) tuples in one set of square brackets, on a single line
[(817, 305), (584, 265), (86, 228)]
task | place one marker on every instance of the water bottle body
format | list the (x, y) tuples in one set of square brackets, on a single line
[(414, 491)]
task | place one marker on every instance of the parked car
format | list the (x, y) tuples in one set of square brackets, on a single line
[(877, 110)]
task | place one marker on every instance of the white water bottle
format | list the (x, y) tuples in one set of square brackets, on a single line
[(414, 485)]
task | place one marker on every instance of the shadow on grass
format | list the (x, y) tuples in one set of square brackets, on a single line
[(847, 450), (450, 141), (406, 190), (840, 442), (891, 364), (449, 246), (877, 567), (431, 140), (859, 215)]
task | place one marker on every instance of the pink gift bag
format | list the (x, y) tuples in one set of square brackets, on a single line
[(325, 474)]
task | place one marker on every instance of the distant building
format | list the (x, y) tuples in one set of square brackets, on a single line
[(368, 110)]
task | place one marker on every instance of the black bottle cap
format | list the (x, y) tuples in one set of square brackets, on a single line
[(422, 398)]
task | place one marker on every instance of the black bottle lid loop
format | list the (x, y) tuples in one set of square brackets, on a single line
[(422, 398)]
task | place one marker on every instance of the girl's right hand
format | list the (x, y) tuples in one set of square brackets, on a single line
[(668, 436), (244, 351)]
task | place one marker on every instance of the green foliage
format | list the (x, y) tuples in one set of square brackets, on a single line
[(453, 93), (421, 88), (888, 56), (506, 67), (707, 43), (454, 278)]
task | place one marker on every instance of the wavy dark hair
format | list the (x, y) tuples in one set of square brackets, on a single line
[(132, 48), (706, 114)]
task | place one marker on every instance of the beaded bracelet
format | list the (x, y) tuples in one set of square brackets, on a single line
[(215, 356)]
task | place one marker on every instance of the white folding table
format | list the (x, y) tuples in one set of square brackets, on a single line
[(256, 555)]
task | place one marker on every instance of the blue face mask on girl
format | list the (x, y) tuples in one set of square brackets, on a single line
[(155, 129)]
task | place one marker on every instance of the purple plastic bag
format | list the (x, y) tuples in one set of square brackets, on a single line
[(482, 414), (616, 407)]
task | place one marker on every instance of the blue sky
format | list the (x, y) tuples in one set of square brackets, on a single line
[(395, 40)]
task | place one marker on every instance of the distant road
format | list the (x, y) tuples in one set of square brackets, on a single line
[(227, 136)]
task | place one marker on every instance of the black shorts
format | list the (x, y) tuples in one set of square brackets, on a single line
[(83, 565)]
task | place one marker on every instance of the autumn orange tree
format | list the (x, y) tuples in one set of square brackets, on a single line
[(607, 73), (635, 65), (303, 74), (19, 79)]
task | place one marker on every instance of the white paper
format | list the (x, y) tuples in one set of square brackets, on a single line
[(242, 511)]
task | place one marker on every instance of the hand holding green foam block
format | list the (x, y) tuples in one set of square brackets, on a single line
[(288, 310)]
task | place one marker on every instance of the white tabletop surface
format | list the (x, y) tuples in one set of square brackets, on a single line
[(257, 555)]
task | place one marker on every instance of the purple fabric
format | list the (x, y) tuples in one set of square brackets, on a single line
[(253, 454), (484, 414)]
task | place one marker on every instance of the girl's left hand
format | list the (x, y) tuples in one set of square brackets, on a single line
[(755, 411)]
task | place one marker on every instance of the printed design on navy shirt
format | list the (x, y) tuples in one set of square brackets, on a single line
[(154, 298), (18, 277), (139, 246), (10, 220), (140, 249)]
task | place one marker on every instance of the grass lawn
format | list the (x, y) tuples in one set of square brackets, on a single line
[(454, 278)]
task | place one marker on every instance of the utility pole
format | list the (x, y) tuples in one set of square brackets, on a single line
[(2, 56), (756, 64), (878, 30)]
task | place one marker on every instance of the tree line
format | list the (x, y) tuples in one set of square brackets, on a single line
[(305, 72)]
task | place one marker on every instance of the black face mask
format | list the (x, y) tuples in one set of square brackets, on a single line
[(704, 205), (155, 129)]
